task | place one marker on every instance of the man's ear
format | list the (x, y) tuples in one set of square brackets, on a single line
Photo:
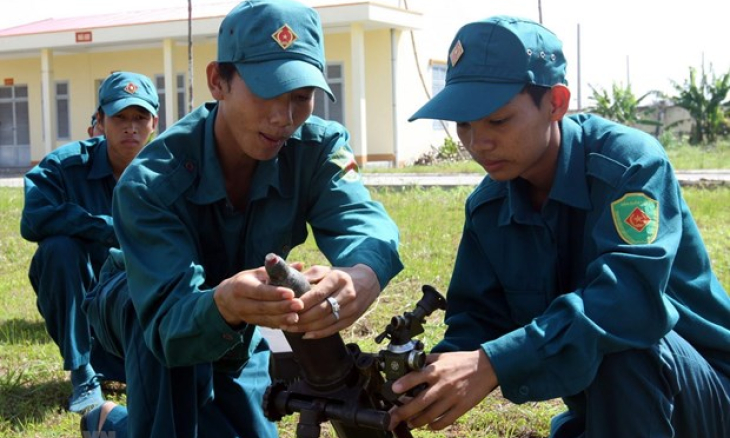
[(559, 101), (215, 82)]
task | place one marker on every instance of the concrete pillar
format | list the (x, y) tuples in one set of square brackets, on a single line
[(358, 118), (170, 82), (48, 101)]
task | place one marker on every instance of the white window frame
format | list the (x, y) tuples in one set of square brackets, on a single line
[(322, 109), (438, 82)]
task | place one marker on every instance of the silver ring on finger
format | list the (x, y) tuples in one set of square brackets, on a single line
[(335, 307)]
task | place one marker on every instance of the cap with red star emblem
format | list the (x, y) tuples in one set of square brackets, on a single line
[(277, 46), (487, 68), (122, 89)]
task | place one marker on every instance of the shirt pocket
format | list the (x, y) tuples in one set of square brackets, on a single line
[(525, 305)]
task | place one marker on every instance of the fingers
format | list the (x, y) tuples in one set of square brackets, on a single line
[(328, 307), (245, 298), (456, 382), (438, 415), (316, 273), (336, 284), (411, 406), (338, 297)]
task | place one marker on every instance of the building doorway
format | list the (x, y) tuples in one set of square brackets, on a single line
[(14, 126)]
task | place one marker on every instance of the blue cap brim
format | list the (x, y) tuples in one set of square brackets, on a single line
[(467, 101), (114, 107), (273, 78)]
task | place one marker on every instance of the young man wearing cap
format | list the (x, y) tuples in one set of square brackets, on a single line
[(580, 273), (68, 200), (198, 211)]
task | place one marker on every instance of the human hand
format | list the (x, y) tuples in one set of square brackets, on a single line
[(354, 289), (456, 382), (247, 298)]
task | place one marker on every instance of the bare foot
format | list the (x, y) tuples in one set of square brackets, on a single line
[(106, 408)]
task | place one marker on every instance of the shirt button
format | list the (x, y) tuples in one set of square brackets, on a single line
[(524, 391)]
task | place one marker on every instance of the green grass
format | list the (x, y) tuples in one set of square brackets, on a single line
[(34, 388), (686, 157)]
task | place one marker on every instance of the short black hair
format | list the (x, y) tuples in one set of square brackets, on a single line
[(227, 70), (536, 92)]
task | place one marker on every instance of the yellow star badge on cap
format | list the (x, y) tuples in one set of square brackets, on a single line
[(131, 88), (456, 53), (284, 36)]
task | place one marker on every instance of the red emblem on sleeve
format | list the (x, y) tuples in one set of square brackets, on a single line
[(638, 220)]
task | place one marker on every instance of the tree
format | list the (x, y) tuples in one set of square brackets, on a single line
[(621, 106), (704, 102)]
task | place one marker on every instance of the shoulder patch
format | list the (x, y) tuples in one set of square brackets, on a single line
[(345, 160), (636, 218)]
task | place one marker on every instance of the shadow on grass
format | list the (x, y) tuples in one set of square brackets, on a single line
[(19, 332), (23, 405)]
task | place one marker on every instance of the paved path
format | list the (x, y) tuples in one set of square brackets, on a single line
[(687, 177)]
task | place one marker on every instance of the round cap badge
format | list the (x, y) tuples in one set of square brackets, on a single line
[(131, 88)]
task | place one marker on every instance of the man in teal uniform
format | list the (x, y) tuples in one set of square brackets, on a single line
[(198, 211), (68, 202), (580, 273)]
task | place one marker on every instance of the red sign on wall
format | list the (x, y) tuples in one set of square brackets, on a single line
[(83, 37), (8, 82)]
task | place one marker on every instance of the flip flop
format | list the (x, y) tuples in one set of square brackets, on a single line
[(90, 422)]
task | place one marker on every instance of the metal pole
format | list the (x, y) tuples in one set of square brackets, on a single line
[(578, 88), (190, 56)]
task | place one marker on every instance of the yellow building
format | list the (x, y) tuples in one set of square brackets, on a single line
[(51, 70)]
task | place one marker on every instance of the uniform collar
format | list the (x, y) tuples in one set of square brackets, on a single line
[(100, 166), (212, 185), (569, 186)]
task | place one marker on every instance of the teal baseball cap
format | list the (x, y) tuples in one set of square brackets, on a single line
[(277, 46), (123, 89), (490, 61)]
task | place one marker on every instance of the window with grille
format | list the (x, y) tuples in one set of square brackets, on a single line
[(323, 106), (63, 118)]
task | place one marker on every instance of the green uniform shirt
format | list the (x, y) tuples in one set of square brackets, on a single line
[(613, 261), (70, 193), (181, 237)]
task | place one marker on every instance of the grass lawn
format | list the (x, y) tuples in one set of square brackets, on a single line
[(34, 388)]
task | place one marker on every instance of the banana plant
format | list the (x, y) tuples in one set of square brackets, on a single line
[(621, 105), (705, 98)]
